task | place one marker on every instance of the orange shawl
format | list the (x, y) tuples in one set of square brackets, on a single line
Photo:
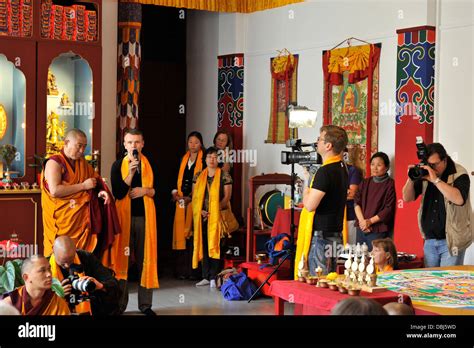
[(69, 215), (183, 219), (117, 256), (52, 304)]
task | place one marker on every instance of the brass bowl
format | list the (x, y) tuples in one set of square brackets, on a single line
[(323, 283), (311, 280), (333, 286), (342, 289), (301, 279), (354, 292)]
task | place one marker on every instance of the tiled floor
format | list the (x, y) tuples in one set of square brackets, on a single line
[(182, 297)]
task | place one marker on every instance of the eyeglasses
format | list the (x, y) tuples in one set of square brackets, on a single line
[(321, 139), (434, 165)]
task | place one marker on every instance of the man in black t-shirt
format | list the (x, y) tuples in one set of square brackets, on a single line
[(444, 216), (327, 196)]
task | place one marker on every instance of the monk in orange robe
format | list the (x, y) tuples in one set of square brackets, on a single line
[(69, 184), (36, 296)]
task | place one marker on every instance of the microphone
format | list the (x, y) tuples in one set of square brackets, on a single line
[(135, 155)]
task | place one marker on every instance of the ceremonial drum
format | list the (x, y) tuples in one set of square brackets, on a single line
[(269, 204)]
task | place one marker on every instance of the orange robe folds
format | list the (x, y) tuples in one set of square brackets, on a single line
[(51, 304), (116, 257), (70, 215)]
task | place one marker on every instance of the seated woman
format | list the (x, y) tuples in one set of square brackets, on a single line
[(385, 255), (375, 202), (211, 193)]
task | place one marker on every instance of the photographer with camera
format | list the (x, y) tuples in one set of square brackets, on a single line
[(89, 287), (327, 197), (445, 210)]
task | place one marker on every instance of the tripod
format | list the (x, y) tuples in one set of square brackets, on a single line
[(289, 252)]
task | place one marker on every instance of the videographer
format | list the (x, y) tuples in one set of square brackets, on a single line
[(94, 283), (327, 196), (445, 210)]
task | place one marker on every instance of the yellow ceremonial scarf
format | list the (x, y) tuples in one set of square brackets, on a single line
[(213, 221), (117, 256), (183, 219), (83, 307), (305, 226), (57, 305), (69, 215)]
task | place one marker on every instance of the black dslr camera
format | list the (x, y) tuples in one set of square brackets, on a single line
[(417, 173), (79, 285), (311, 160)]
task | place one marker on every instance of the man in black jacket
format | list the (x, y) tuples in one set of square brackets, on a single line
[(105, 298)]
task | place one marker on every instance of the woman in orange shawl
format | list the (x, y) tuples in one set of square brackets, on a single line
[(211, 194), (191, 164)]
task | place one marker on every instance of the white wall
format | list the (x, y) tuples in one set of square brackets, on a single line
[(109, 84), (454, 125), (201, 89)]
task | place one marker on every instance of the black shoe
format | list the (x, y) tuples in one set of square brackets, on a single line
[(149, 312), (182, 277), (194, 277)]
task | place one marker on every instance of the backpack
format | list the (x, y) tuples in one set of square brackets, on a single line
[(238, 287)]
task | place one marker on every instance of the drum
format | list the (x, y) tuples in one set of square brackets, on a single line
[(269, 204)]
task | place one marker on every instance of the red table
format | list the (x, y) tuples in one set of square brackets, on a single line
[(310, 300)]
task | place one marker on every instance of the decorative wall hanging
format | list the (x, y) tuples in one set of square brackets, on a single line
[(351, 97), (284, 70), (413, 117), (230, 113), (128, 76)]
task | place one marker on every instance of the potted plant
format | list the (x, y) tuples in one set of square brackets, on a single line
[(39, 160), (8, 153)]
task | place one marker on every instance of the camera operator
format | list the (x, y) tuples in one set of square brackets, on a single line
[(327, 197), (104, 295), (445, 210)]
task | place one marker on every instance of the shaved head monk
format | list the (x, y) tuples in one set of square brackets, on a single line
[(36, 296), (106, 295), (69, 186)]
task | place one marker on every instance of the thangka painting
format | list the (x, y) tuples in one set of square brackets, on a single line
[(230, 113), (450, 289), (351, 98), (284, 70)]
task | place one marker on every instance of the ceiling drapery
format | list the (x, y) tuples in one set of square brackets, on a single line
[(242, 6)]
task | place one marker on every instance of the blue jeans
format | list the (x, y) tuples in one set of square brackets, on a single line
[(367, 238), (437, 254), (323, 253)]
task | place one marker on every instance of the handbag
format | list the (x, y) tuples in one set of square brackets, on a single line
[(228, 222)]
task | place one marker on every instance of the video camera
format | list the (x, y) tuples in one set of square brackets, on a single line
[(80, 286), (311, 160), (417, 173)]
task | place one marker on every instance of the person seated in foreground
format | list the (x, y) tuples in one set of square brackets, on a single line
[(385, 255), (36, 296), (395, 308), (358, 306)]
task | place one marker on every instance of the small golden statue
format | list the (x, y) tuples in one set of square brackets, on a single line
[(65, 103), (55, 132), (52, 87)]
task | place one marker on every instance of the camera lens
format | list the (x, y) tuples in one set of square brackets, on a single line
[(83, 285)]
